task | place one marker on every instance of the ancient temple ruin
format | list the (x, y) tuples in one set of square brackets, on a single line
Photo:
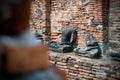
[(99, 18)]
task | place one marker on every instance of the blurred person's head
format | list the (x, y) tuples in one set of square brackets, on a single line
[(14, 16)]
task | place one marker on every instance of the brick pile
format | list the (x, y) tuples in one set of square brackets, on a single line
[(79, 68)]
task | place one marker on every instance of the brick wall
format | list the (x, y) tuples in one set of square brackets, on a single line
[(114, 28), (40, 18), (80, 68), (90, 16)]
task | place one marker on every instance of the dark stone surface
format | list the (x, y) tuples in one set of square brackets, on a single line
[(63, 49), (91, 41), (38, 34), (115, 54), (69, 36), (114, 51)]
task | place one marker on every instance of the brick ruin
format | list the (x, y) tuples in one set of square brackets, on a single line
[(114, 26), (89, 16), (98, 17)]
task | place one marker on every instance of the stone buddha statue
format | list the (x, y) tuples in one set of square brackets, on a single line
[(92, 49), (68, 40)]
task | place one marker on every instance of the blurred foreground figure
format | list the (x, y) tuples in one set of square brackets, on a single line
[(22, 56)]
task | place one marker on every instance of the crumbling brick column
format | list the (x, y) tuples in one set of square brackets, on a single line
[(40, 18), (47, 28)]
